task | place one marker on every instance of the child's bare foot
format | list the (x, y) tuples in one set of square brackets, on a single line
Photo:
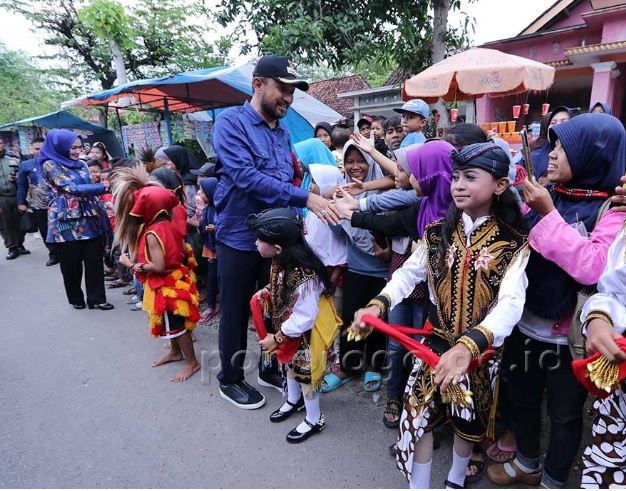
[(186, 372), (170, 357)]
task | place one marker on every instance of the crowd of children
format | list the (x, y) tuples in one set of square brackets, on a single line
[(448, 236)]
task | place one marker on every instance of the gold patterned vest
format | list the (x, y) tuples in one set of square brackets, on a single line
[(466, 283), (282, 291)]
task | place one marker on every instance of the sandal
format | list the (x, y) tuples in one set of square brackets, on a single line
[(118, 284), (392, 409), (480, 470), (372, 381), (495, 452), (130, 291), (333, 382)]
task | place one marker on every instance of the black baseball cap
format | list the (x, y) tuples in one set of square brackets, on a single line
[(281, 69)]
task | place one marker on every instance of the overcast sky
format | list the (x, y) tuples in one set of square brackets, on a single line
[(495, 19)]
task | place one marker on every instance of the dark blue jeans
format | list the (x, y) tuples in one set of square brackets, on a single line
[(139, 287), (408, 313)]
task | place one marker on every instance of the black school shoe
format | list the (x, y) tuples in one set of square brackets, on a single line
[(22, 250), (242, 395), (278, 416), (294, 436)]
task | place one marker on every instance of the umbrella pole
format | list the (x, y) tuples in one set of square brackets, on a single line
[(167, 119), (119, 124)]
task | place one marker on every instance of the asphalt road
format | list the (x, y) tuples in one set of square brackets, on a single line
[(82, 407)]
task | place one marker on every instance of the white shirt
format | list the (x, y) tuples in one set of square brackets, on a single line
[(305, 310), (511, 297), (611, 296)]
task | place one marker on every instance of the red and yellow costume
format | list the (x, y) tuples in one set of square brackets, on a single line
[(173, 294)]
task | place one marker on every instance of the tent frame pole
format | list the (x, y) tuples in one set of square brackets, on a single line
[(168, 120), (119, 124)]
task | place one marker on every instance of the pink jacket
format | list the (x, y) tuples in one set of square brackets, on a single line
[(583, 259)]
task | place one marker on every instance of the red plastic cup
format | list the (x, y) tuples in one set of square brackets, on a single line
[(516, 110), (454, 115), (545, 107), (525, 108)]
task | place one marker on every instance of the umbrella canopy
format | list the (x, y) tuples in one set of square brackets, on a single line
[(479, 71), (59, 119), (209, 89)]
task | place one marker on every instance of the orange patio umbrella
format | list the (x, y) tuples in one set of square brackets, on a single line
[(478, 71)]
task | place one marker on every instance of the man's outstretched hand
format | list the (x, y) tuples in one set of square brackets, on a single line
[(323, 208)]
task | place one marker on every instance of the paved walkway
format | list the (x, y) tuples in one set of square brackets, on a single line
[(82, 407)]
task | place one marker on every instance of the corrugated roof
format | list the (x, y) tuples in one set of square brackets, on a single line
[(326, 91)]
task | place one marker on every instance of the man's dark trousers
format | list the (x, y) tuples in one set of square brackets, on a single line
[(241, 274), (10, 223)]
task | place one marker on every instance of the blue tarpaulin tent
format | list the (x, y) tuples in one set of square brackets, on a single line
[(69, 121), (209, 89), (59, 119)]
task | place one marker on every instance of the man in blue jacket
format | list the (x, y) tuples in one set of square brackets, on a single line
[(255, 169), (32, 193)]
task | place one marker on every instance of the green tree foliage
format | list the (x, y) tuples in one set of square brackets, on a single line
[(109, 21), (157, 37), (345, 33), (26, 91)]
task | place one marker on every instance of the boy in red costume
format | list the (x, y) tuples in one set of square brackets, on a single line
[(164, 264)]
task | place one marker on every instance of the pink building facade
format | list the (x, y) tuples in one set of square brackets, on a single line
[(585, 40)]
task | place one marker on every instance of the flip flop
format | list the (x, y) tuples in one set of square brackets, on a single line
[(333, 382), (496, 448), (372, 377), (480, 470)]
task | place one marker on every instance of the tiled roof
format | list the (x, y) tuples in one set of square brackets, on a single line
[(398, 76), (326, 91)]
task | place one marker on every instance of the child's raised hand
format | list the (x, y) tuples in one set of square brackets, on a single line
[(354, 188), (537, 198), (452, 365), (619, 199), (344, 204), (367, 145)]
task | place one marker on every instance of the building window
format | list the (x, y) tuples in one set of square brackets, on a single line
[(532, 52), (556, 48)]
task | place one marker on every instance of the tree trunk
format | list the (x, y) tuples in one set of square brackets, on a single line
[(118, 62), (439, 48)]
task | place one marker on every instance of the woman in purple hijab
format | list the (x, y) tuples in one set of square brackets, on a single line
[(431, 166), (74, 219), (426, 168)]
